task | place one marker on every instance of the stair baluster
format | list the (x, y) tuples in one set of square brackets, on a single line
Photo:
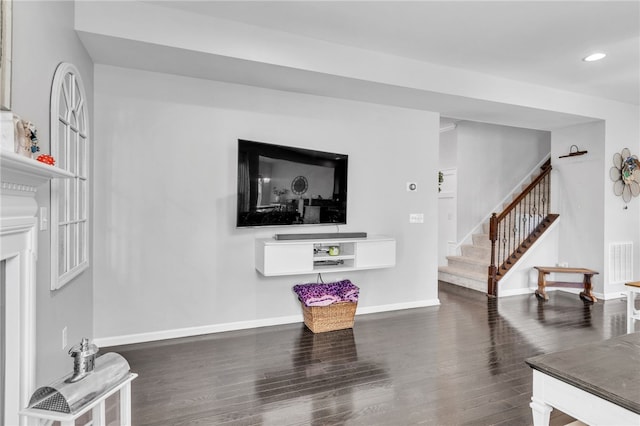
[(514, 230)]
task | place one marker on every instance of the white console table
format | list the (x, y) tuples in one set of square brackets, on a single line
[(308, 256)]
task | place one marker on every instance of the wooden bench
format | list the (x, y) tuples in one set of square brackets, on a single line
[(586, 294)]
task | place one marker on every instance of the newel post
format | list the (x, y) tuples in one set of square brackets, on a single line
[(492, 288)]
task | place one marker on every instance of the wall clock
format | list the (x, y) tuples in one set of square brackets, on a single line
[(299, 185), (625, 175)]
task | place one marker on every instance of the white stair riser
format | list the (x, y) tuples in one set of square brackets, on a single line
[(466, 266), (485, 227), (481, 240), (477, 252), (463, 281)]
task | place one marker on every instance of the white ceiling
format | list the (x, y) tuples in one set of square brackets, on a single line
[(540, 42)]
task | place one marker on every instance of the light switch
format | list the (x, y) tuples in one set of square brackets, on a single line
[(412, 186), (44, 219), (416, 218)]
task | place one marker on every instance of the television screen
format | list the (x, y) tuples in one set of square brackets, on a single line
[(281, 185)]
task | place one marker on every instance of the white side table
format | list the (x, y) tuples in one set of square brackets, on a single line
[(632, 313), (97, 405), (597, 384)]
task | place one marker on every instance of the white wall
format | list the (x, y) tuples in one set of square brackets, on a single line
[(447, 199), (448, 153), (582, 195), (619, 223), (167, 253), (491, 160), (447, 214), (577, 189), (224, 50), (43, 36)]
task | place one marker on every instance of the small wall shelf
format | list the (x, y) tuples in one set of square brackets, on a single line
[(298, 257), (573, 153)]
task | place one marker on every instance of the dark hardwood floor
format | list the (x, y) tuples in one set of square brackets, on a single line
[(458, 363)]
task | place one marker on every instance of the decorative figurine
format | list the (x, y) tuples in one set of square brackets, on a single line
[(84, 358)]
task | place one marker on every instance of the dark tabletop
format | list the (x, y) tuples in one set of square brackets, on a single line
[(609, 369)]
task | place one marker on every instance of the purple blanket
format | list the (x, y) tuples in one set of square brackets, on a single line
[(327, 293)]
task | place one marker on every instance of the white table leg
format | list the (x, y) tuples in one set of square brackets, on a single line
[(98, 415), (125, 405), (541, 412), (631, 295)]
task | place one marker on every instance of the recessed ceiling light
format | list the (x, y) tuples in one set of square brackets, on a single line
[(594, 57)]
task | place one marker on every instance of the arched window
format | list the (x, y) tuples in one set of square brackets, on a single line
[(69, 197)]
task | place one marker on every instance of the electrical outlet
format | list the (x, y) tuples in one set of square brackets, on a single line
[(64, 338)]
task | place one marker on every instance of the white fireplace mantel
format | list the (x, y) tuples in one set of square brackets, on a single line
[(20, 178), (26, 174)]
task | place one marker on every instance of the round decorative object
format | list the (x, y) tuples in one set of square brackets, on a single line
[(47, 159), (299, 185), (625, 175)]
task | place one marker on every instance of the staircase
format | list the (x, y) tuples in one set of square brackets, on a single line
[(520, 224), (469, 269)]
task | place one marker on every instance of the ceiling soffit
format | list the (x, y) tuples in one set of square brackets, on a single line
[(118, 46)]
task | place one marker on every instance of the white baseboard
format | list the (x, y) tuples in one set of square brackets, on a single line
[(397, 306), (242, 325), (576, 291), (193, 331), (599, 296), (613, 295), (514, 292)]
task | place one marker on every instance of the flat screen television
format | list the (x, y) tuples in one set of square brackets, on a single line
[(282, 185)]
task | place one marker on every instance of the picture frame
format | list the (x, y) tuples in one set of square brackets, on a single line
[(6, 32)]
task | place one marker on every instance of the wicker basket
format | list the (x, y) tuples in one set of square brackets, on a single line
[(337, 316)]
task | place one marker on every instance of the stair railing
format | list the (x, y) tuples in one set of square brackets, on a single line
[(510, 230)]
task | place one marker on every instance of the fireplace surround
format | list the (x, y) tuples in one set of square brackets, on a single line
[(21, 178)]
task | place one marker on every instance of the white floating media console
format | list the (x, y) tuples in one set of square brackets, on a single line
[(308, 256)]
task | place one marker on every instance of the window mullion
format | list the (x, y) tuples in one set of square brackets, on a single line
[(77, 226), (73, 92), (67, 249), (67, 142)]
